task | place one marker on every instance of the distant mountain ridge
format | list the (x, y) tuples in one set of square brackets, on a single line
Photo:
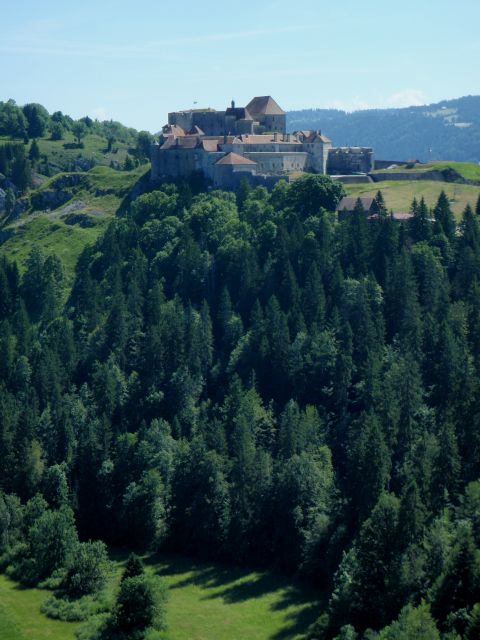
[(447, 130)]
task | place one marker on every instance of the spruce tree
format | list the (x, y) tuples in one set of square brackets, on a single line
[(444, 216)]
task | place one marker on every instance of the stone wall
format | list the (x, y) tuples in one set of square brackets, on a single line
[(278, 161), (347, 160), (273, 123)]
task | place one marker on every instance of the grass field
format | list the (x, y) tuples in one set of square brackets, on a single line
[(62, 153), (206, 602), (466, 170), (214, 602), (20, 617), (92, 205), (399, 195), (55, 237)]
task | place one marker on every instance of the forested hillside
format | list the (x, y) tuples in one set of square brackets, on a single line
[(241, 377), (448, 130)]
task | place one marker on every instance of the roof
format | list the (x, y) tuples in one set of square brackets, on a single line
[(169, 142), (402, 216), (206, 110), (398, 217), (172, 129), (350, 203), (210, 145), (267, 138), (240, 113), (234, 159), (188, 142), (196, 131), (264, 105), (316, 136)]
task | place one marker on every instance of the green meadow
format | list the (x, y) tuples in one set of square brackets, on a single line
[(467, 170), (67, 230), (20, 617), (207, 601), (399, 195)]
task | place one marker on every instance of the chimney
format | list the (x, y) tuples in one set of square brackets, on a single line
[(275, 136), (233, 104)]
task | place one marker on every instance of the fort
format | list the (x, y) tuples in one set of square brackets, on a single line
[(248, 142)]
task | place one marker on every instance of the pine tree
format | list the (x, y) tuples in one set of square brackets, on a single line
[(420, 225), (314, 302), (459, 584), (444, 216), (380, 204), (368, 464), (34, 153)]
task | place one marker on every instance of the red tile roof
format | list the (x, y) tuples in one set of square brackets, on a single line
[(234, 159), (210, 145), (188, 142)]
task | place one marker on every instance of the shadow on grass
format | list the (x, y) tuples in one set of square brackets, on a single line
[(235, 585), (297, 622), (306, 603)]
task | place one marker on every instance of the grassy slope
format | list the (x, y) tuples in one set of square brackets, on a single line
[(50, 230), (55, 237), (210, 601), (20, 617), (399, 195), (467, 170), (61, 156), (94, 147), (206, 602)]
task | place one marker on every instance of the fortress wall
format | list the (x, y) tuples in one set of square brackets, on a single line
[(275, 123), (344, 160), (210, 122), (273, 162), (181, 119), (172, 162), (230, 176)]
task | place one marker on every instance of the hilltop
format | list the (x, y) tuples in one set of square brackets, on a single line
[(447, 130)]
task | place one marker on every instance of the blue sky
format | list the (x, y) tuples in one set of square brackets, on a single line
[(135, 61)]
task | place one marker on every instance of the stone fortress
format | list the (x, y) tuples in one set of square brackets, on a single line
[(248, 142)]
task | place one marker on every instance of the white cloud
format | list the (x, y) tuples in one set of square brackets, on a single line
[(406, 98)]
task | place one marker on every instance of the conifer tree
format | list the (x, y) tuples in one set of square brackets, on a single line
[(444, 216)]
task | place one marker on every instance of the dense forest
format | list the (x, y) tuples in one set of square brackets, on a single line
[(242, 377), (448, 130)]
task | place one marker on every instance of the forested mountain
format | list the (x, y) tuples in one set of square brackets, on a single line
[(447, 130), (244, 378)]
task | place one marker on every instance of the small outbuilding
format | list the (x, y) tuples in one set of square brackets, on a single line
[(347, 206)]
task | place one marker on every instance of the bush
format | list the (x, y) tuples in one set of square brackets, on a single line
[(87, 570), (74, 610), (94, 628)]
